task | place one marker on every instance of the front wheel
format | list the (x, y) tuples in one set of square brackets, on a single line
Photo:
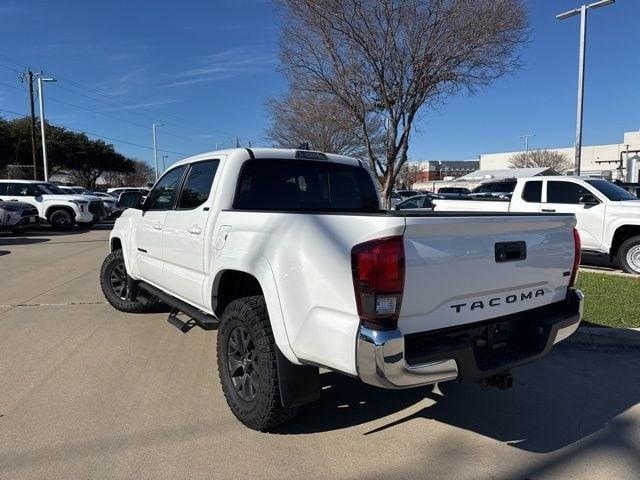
[(115, 285), (247, 365), (61, 219), (629, 255)]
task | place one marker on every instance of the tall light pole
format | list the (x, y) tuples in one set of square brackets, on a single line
[(155, 145), (526, 141), (41, 81), (582, 11)]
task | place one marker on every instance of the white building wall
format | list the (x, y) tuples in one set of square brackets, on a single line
[(591, 156)]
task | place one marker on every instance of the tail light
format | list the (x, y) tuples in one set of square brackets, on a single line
[(576, 257), (378, 281)]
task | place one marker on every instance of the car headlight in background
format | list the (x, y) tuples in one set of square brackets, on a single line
[(81, 204)]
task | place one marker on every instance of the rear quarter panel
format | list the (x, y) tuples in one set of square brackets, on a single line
[(309, 256)]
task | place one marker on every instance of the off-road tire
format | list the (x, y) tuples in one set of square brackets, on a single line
[(60, 219), (265, 410), (630, 247), (113, 261)]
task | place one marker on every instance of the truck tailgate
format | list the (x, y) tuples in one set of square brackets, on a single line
[(454, 275)]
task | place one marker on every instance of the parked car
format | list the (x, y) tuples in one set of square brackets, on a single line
[(498, 188), (407, 193), (419, 202), (115, 192), (60, 209), (109, 203), (456, 190), (16, 216), (608, 216), (289, 256)]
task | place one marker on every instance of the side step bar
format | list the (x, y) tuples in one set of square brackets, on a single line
[(197, 317)]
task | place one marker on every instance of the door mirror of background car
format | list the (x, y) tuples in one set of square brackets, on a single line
[(588, 200), (131, 200)]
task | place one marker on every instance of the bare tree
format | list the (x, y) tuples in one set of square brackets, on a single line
[(141, 175), (385, 59), (540, 158), (407, 176), (320, 120)]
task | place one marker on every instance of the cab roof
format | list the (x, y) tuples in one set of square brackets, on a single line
[(272, 154)]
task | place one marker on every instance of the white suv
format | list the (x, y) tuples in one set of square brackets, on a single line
[(61, 210)]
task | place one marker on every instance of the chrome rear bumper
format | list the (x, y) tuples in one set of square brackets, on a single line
[(381, 354)]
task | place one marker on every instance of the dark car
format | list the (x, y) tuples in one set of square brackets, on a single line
[(416, 202), (457, 190)]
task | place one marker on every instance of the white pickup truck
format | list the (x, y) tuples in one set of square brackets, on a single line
[(608, 216), (289, 256)]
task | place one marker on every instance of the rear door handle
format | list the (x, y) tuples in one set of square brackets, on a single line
[(195, 230), (157, 226), (549, 210)]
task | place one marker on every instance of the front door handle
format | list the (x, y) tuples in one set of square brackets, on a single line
[(157, 226), (549, 210), (195, 230)]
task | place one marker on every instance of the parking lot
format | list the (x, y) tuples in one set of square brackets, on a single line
[(91, 392)]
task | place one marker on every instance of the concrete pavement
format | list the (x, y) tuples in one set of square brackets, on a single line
[(88, 392)]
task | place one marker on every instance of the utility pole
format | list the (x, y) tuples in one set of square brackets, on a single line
[(155, 145), (237, 142), (32, 123), (582, 11), (41, 81)]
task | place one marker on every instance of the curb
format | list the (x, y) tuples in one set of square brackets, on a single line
[(606, 337)]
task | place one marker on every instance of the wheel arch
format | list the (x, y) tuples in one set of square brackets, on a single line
[(53, 208), (621, 234), (235, 279)]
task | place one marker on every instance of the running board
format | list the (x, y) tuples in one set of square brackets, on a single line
[(197, 317)]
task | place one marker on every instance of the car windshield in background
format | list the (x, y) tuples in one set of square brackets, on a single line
[(51, 189), (611, 190), (496, 187), (304, 186)]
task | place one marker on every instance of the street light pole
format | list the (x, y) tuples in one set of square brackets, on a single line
[(526, 141), (582, 11), (155, 145), (42, 121)]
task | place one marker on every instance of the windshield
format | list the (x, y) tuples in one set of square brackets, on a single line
[(611, 190), (51, 189)]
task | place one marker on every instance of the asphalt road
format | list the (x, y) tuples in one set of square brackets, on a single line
[(88, 392)]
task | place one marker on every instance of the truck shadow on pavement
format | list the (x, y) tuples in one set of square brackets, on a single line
[(569, 395)]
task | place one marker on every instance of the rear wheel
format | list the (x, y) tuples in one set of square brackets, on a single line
[(247, 365), (629, 255), (115, 285), (61, 219)]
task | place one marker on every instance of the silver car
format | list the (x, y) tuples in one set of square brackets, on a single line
[(16, 216)]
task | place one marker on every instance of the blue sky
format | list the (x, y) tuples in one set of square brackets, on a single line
[(206, 68)]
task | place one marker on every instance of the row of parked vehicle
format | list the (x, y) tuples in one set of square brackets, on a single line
[(608, 216), (25, 203)]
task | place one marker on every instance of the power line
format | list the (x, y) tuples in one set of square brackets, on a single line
[(104, 137)]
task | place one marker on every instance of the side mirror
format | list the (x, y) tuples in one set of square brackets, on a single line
[(588, 200), (131, 200)]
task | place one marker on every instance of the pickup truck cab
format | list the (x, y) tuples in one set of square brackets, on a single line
[(288, 254), (62, 210), (608, 216)]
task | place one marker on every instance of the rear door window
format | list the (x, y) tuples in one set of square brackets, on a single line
[(304, 185)]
